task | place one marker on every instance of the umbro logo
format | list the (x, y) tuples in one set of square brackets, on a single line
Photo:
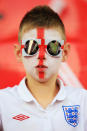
[(20, 117)]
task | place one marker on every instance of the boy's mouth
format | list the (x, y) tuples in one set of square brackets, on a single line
[(41, 67)]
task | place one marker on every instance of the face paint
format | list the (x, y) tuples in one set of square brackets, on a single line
[(50, 61), (40, 35)]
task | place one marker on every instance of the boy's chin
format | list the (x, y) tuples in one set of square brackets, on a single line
[(43, 79)]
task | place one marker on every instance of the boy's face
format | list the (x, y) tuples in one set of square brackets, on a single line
[(52, 63)]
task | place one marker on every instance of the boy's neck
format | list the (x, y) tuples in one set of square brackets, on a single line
[(43, 92)]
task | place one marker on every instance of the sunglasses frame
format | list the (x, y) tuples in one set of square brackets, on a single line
[(47, 41)]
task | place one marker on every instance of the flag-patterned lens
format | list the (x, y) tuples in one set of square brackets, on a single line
[(31, 47), (53, 47)]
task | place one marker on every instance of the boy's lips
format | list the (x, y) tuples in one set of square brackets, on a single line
[(41, 67)]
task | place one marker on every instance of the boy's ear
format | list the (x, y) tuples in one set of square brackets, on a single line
[(66, 51), (17, 49)]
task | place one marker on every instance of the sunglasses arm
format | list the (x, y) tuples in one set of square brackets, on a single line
[(22, 46), (62, 46)]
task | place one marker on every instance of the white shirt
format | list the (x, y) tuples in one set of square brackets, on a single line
[(19, 111)]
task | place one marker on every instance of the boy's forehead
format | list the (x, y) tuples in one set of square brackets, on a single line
[(47, 34)]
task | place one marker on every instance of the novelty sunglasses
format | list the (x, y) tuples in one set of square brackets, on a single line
[(31, 46)]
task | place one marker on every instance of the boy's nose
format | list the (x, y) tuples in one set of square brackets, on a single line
[(42, 51), (44, 58)]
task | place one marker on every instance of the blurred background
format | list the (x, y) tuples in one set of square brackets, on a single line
[(74, 15)]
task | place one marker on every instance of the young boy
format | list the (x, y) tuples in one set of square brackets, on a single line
[(41, 102)]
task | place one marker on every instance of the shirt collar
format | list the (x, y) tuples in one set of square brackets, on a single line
[(26, 95), (24, 92), (61, 95), (62, 92)]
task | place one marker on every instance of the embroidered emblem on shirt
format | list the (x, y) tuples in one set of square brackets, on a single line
[(71, 114), (20, 117)]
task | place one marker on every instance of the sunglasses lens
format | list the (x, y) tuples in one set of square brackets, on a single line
[(31, 47), (53, 48)]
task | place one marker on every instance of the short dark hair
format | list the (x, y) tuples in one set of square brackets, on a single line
[(41, 16)]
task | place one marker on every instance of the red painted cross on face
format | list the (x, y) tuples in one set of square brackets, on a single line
[(42, 47)]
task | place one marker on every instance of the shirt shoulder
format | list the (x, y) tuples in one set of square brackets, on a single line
[(8, 93), (76, 92), (11, 93), (72, 91)]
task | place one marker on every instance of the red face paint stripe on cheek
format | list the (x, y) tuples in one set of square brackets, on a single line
[(40, 35)]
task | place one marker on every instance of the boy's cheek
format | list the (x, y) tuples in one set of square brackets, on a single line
[(28, 63), (54, 61)]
